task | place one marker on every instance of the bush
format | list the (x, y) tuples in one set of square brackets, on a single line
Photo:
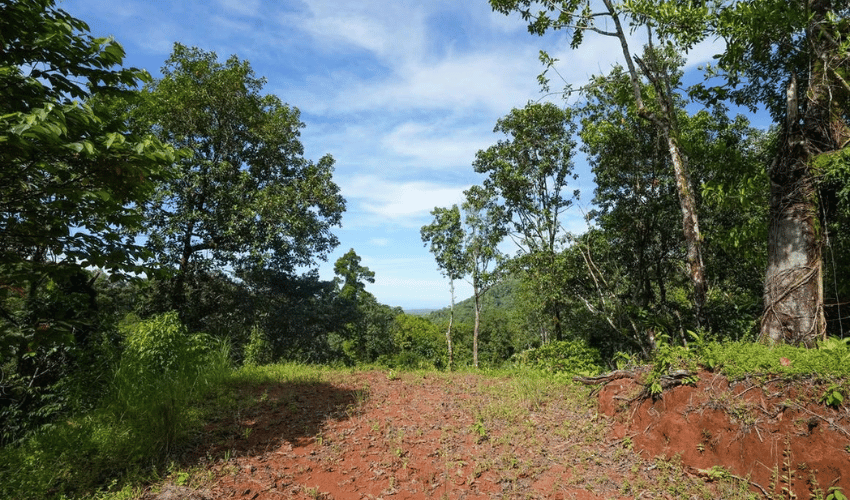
[(162, 370), (570, 357), (150, 407), (258, 350)]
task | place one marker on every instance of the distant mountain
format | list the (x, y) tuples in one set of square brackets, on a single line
[(419, 312), (500, 296)]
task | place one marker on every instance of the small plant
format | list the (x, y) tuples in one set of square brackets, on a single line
[(833, 396), (480, 431), (835, 493), (182, 479)]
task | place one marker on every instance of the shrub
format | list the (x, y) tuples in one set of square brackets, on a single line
[(150, 407), (571, 357), (258, 350), (162, 370)]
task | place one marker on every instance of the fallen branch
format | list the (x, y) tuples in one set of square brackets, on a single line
[(607, 377)]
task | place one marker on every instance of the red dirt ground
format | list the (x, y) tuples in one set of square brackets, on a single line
[(370, 436)]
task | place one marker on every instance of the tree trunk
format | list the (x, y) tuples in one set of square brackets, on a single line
[(690, 227), (476, 294), (449, 330), (793, 290), (665, 123), (793, 287)]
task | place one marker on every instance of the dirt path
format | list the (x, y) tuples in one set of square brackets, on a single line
[(371, 436)]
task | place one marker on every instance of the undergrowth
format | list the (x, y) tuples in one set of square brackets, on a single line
[(828, 364), (149, 408)]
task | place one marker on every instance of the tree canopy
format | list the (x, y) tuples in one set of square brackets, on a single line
[(244, 196)]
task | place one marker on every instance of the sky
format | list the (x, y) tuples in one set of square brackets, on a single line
[(401, 93)]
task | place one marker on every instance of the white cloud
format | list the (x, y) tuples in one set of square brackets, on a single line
[(379, 242), (704, 52), (399, 202), (437, 145), (387, 30), (242, 7)]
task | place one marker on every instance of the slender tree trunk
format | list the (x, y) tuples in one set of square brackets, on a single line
[(666, 124), (793, 289), (178, 292), (690, 227), (477, 295), (449, 330)]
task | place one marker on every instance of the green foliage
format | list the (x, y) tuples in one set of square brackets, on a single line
[(569, 357), (667, 358), (162, 369), (445, 235), (528, 172), (71, 183), (419, 343), (245, 197), (161, 345), (737, 359), (836, 493), (258, 350), (149, 408)]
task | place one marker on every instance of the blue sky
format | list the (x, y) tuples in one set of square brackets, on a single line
[(402, 93)]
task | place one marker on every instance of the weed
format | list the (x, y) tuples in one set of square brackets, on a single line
[(834, 395), (480, 431), (836, 493)]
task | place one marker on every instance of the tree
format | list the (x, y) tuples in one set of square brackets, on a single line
[(246, 197), (792, 58), (656, 105), (528, 172), (636, 212), (483, 233), (366, 324), (352, 277), (72, 180), (445, 235)]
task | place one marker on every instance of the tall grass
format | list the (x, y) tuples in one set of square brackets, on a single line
[(149, 408)]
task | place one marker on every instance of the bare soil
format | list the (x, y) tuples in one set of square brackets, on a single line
[(461, 436)]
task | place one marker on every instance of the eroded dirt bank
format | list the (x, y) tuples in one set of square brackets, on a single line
[(777, 435), (369, 436)]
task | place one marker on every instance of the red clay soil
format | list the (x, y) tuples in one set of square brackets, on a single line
[(775, 434), (369, 436)]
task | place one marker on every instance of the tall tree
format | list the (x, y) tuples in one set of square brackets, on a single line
[(246, 197), (656, 105), (445, 235), (636, 211), (529, 172), (71, 181), (793, 58), (366, 323), (483, 233)]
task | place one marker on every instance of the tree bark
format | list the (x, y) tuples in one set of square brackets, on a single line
[(793, 289), (449, 330), (690, 227), (666, 124)]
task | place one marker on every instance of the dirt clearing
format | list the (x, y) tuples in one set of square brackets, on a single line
[(374, 435)]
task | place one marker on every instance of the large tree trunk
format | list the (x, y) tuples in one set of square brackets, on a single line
[(793, 287), (793, 290)]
